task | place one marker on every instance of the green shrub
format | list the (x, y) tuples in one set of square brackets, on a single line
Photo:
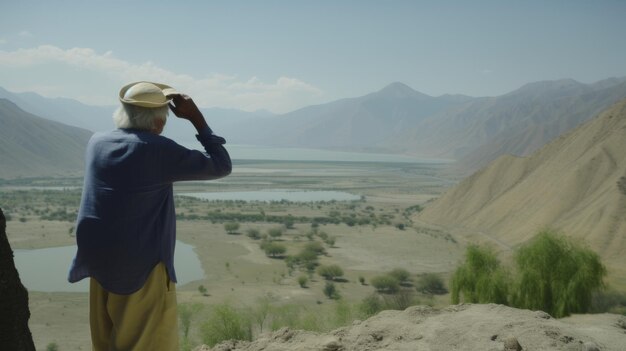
[(480, 279), (253, 233), (226, 323), (385, 284), (316, 247), (275, 232), (273, 249), (557, 275), (371, 305), (401, 274), (431, 283), (331, 291), (302, 280), (231, 227), (401, 300), (330, 272)]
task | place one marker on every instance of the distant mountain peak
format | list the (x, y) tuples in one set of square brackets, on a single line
[(399, 90)]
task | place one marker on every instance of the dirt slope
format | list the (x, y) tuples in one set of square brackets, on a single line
[(461, 327), (570, 184)]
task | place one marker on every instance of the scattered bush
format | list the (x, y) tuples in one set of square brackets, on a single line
[(226, 323), (231, 227), (371, 305), (331, 291), (275, 232), (330, 241), (401, 300), (203, 290), (315, 247), (253, 233), (273, 249), (431, 283), (330, 272), (362, 280), (385, 284), (402, 275), (302, 280)]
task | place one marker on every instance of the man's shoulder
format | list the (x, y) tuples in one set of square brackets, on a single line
[(130, 136)]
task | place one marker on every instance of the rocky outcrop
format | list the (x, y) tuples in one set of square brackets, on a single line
[(460, 327), (14, 312)]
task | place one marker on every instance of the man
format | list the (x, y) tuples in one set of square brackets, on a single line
[(126, 228)]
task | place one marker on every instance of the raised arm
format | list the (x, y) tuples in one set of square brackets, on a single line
[(184, 107)]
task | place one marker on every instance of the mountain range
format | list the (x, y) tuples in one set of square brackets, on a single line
[(32, 146), (395, 119)]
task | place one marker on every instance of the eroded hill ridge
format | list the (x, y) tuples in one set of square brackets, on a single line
[(572, 184)]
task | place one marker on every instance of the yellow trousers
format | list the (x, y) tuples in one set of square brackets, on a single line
[(144, 320)]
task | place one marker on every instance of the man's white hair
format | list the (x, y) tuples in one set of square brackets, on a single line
[(137, 117)]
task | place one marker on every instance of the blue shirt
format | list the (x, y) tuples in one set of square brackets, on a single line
[(126, 222)]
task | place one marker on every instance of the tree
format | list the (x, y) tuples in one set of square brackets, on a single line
[(330, 272), (385, 284), (557, 275), (274, 249), (480, 279), (275, 232), (231, 227), (253, 233), (315, 246)]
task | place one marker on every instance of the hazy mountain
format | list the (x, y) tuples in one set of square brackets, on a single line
[(396, 119), (66, 111), (226, 122), (33, 146), (363, 123), (575, 184), (516, 123)]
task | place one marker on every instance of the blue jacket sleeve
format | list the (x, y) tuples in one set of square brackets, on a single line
[(195, 165)]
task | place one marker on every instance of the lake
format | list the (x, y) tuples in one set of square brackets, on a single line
[(253, 152), (46, 269), (276, 195)]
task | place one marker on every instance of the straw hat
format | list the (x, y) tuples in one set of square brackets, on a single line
[(147, 94)]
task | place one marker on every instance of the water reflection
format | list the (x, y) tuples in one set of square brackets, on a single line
[(46, 269)]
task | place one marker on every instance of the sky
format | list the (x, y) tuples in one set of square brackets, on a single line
[(283, 55)]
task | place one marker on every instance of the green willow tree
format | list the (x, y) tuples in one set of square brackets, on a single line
[(557, 276), (480, 279)]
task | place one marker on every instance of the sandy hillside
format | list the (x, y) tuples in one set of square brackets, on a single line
[(570, 184), (461, 327)]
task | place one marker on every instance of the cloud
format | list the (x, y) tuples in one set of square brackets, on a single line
[(3, 41), (25, 33), (282, 95)]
